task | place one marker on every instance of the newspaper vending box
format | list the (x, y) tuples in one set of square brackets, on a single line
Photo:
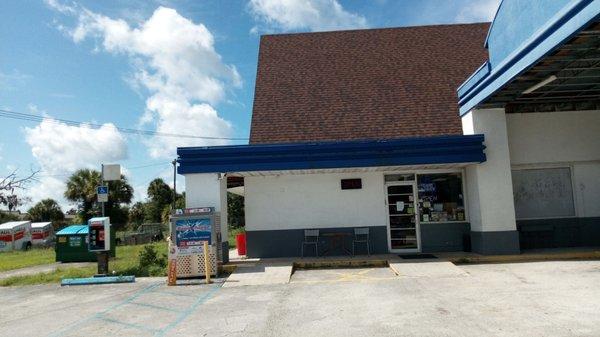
[(190, 228)]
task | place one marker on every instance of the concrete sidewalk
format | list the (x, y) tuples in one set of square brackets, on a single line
[(272, 271), (552, 254), (260, 274), (530, 255)]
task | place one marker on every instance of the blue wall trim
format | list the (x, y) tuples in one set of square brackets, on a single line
[(481, 73), (517, 21), (298, 156), (549, 34)]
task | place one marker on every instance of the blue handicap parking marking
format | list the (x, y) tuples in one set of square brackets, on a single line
[(136, 299)]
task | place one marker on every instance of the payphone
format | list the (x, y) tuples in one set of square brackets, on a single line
[(99, 234), (99, 241)]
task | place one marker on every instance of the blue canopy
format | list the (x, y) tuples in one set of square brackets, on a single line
[(330, 155)]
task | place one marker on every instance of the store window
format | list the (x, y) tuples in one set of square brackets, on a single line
[(441, 197)]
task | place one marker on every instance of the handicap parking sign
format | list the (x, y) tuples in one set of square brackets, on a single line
[(102, 192)]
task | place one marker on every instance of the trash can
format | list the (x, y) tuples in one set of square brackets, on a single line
[(240, 240), (72, 245)]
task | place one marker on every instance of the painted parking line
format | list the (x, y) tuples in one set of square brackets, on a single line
[(190, 310), (346, 276), (129, 325), (100, 315), (182, 314)]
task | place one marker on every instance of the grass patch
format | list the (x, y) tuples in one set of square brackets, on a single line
[(127, 262), (51, 277), (232, 234), (21, 259)]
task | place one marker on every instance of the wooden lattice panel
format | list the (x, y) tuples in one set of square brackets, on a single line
[(193, 265)]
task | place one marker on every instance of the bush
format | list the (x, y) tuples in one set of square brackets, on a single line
[(151, 263)]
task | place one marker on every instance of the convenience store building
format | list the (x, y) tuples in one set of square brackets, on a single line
[(437, 138)]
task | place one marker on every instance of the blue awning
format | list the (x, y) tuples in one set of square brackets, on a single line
[(522, 35), (331, 155)]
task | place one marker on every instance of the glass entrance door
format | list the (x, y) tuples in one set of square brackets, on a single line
[(403, 222)]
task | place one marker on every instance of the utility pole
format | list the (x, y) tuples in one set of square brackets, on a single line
[(102, 184), (174, 162)]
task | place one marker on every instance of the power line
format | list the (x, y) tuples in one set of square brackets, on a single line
[(128, 168), (36, 118)]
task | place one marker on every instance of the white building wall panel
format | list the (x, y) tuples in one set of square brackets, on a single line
[(552, 137), (313, 201), (207, 190), (489, 184), (568, 139), (587, 189)]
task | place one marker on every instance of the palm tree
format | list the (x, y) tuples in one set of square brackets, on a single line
[(46, 210), (137, 213), (161, 197), (81, 188), (160, 192)]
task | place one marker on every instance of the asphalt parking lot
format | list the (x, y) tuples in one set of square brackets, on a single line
[(534, 299)]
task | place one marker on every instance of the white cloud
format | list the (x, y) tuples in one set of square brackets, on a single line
[(314, 15), (60, 149), (175, 60), (47, 187), (478, 11), (65, 9), (179, 116)]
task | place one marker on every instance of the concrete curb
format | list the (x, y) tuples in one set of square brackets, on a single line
[(350, 263), (532, 257)]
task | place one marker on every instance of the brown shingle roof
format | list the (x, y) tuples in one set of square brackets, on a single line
[(363, 84)]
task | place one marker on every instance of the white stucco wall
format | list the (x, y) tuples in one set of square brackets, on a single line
[(553, 137), (568, 139), (207, 190), (313, 201), (489, 184), (587, 189)]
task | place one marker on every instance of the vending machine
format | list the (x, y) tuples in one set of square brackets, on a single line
[(190, 228)]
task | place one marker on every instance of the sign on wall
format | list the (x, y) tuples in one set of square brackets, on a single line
[(191, 233)]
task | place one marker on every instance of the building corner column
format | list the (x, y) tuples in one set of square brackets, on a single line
[(489, 186), (210, 190)]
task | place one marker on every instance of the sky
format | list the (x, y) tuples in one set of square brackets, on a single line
[(173, 67)]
